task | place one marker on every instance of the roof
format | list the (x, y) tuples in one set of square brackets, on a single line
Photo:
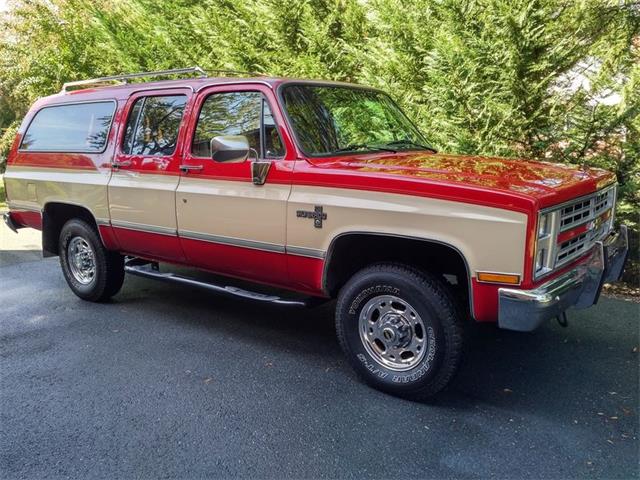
[(124, 90)]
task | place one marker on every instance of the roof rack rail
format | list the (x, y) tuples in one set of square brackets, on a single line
[(119, 79)]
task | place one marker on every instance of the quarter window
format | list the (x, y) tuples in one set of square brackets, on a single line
[(237, 113), (80, 127), (153, 125)]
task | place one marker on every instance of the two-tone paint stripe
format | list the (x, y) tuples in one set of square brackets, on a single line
[(221, 240)]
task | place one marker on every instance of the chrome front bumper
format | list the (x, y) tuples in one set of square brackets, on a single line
[(526, 310)]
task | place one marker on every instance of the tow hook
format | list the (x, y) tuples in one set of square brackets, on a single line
[(562, 320)]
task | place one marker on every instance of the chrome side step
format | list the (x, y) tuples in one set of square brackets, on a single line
[(150, 270)]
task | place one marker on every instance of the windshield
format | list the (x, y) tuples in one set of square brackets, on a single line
[(331, 120)]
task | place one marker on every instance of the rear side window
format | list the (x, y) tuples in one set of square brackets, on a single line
[(153, 125), (80, 127)]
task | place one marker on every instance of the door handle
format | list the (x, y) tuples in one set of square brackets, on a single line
[(117, 165), (188, 168)]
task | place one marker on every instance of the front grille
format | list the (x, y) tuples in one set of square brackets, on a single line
[(594, 213), (572, 248), (586, 209), (575, 214), (578, 213)]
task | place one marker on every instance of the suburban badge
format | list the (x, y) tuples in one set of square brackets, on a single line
[(318, 215)]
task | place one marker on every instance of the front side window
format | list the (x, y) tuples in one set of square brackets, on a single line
[(153, 125), (330, 120), (80, 127), (237, 113)]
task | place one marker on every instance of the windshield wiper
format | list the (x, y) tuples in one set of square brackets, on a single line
[(413, 144), (363, 146)]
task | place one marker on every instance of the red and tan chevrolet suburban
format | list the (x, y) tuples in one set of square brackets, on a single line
[(320, 188)]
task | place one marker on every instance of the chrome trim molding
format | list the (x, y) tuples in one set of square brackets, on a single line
[(103, 222), (219, 239), (526, 310), (236, 242), (306, 252), (144, 228)]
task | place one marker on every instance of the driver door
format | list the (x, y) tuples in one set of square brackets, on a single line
[(226, 222)]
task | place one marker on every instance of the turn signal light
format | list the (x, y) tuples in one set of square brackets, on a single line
[(488, 277)]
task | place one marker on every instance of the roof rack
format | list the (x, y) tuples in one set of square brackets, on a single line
[(119, 79)]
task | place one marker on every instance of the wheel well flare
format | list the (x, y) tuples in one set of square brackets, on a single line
[(54, 216), (350, 253)]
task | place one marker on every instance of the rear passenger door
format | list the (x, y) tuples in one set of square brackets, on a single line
[(227, 223), (146, 174)]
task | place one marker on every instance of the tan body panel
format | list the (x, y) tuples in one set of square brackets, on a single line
[(490, 239), (234, 210), (138, 199), (33, 187)]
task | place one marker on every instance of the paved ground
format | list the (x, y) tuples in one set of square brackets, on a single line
[(169, 382)]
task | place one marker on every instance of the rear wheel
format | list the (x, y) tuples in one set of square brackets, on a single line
[(92, 272), (400, 330)]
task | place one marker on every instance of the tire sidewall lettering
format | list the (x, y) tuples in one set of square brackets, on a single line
[(354, 307), (373, 367)]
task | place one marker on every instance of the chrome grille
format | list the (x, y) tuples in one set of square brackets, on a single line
[(586, 209), (572, 248), (552, 222), (575, 247)]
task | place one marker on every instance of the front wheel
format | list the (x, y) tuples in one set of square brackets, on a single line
[(400, 330), (92, 272)]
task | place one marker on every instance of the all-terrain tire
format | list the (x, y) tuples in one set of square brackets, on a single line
[(80, 247), (424, 307)]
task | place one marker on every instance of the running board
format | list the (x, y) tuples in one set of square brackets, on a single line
[(150, 270)]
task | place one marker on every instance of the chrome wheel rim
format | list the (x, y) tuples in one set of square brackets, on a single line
[(81, 260), (393, 332)]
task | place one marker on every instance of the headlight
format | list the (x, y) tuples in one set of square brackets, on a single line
[(543, 224), (545, 242)]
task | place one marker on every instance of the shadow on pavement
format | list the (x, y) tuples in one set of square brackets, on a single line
[(12, 257)]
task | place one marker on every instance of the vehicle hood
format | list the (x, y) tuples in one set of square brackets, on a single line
[(544, 181)]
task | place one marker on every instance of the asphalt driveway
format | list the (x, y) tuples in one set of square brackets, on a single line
[(171, 382)]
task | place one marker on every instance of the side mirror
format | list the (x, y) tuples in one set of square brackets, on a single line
[(230, 148)]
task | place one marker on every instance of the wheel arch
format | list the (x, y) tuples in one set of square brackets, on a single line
[(348, 252), (54, 216)]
